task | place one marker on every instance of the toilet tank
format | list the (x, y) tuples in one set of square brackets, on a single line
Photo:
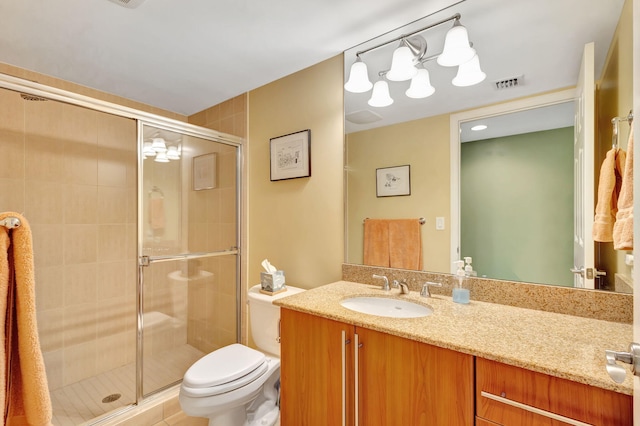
[(264, 318)]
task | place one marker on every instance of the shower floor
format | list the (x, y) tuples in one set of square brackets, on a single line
[(82, 401)]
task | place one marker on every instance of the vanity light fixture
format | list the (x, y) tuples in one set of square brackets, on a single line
[(157, 148), (408, 64), (479, 127)]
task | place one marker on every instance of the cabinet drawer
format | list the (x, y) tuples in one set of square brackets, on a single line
[(511, 395)]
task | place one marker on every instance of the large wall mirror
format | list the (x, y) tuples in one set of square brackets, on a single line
[(505, 195)]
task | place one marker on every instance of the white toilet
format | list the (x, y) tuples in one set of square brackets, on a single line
[(237, 385)]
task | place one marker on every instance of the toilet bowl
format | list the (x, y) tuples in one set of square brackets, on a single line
[(237, 385)]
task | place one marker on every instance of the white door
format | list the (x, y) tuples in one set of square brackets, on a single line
[(583, 158)]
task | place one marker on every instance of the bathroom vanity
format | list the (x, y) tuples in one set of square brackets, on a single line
[(482, 363)]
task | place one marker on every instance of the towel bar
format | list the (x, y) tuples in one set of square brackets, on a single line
[(422, 220)]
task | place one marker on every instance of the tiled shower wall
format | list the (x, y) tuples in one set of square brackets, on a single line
[(72, 173)]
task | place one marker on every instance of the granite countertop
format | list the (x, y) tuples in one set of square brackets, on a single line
[(564, 346)]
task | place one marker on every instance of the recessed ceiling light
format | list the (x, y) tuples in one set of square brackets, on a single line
[(478, 127)]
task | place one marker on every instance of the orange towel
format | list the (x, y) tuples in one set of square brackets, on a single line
[(156, 213), (623, 228), (25, 395), (395, 243), (405, 244), (376, 242), (608, 190)]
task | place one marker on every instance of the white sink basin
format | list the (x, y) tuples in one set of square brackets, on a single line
[(386, 307)]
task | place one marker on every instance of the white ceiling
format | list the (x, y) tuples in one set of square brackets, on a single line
[(184, 56)]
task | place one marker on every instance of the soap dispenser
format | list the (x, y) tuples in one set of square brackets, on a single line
[(460, 294)]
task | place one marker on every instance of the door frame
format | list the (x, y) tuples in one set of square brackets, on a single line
[(455, 120)]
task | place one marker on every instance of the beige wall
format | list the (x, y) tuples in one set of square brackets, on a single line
[(298, 224), (425, 147), (615, 99)]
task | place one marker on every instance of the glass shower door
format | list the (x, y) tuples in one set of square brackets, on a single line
[(188, 253)]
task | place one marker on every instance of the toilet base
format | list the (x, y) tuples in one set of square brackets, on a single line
[(233, 417)]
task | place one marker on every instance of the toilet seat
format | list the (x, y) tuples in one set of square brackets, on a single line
[(224, 370)]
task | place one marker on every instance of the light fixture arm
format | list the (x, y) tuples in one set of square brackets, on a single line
[(457, 16)]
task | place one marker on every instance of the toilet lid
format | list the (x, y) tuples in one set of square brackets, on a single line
[(225, 387), (224, 365)]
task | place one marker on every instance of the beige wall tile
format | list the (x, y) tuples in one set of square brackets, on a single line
[(112, 279), (61, 121), (51, 329), (112, 167), (49, 287), (80, 243), (79, 324), (112, 205), (81, 163), (112, 243), (79, 362), (80, 204), (44, 202), (48, 244), (117, 132), (12, 195), (44, 159), (80, 284), (12, 158), (54, 366)]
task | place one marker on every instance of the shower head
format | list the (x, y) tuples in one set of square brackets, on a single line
[(28, 97)]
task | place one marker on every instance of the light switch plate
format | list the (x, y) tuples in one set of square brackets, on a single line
[(440, 223)]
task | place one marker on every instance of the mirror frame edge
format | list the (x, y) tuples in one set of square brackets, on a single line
[(455, 119)]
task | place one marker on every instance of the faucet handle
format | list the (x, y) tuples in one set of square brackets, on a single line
[(385, 286), (425, 288)]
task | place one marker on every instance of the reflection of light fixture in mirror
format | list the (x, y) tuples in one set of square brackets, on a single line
[(161, 158), (147, 150), (479, 127), (457, 49), (380, 96), (469, 73), (358, 78), (407, 60), (173, 153), (158, 145), (402, 64), (420, 85)]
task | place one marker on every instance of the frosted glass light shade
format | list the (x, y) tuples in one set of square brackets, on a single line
[(147, 150), (358, 78), (158, 145), (161, 158), (380, 96), (469, 73), (402, 64), (420, 85), (457, 49), (173, 153)]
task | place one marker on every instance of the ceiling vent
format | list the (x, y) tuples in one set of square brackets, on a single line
[(509, 83), (363, 117), (129, 4)]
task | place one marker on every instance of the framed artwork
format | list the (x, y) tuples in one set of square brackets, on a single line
[(291, 156), (204, 172), (393, 181)]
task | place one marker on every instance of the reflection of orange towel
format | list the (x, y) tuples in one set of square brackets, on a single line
[(405, 244), (608, 191), (376, 242), (25, 394), (623, 228), (156, 213), (395, 243)]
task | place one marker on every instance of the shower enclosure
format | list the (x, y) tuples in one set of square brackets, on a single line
[(135, 231)]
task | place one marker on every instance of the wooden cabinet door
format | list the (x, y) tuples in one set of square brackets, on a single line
[(500, 388), (403, 382), (311, 372)]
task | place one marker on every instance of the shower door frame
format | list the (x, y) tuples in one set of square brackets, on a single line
[(37, 89), (145, 260)]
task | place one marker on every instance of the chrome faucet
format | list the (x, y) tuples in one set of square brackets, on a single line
[(425, 288), (385, 286), (404, 288)]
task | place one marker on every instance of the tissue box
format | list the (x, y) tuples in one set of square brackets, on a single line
[(272, 283)]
